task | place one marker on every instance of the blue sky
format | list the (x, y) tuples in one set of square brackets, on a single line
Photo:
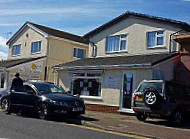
[(80, 16)]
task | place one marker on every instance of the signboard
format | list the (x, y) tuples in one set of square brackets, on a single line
[(111, 81), (36, 67)]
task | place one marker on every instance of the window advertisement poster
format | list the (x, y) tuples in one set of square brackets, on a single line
[(111, 81)]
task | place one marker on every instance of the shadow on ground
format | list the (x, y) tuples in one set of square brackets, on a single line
[(79, 120), (166, 123)]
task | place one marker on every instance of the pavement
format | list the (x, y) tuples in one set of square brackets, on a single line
[(153, 128)]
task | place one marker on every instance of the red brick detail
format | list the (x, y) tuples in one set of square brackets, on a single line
[(102, 108)]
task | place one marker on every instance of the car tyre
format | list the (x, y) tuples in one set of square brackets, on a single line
[(177, 117), (141, 116), (43, 112), (5, 105)]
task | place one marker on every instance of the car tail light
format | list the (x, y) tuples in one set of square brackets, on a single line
[(134, 97), (135, 109)]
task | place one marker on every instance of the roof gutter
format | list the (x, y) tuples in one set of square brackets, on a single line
[(170, 49), (146, 65)]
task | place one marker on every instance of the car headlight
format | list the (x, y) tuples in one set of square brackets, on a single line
[(58, 103)]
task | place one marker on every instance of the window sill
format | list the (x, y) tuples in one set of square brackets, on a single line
[(91, 97), (157, 47), (36, 53), (114, 52), (15, 55), (78, 58)]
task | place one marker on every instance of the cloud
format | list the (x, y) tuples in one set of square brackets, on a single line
[(72, 10), (3, 42), (8, 24), (7, 1), (3, 55)]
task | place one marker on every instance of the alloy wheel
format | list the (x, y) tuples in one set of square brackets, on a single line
[(5, 105), (178, 117), (42, 111)]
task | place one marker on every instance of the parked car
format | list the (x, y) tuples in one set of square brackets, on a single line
[(161, 99), (43, 98)]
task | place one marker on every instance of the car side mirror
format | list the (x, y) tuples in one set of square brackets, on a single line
[(12, 91)]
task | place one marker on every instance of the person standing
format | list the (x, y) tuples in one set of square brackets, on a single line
[(17, 83)]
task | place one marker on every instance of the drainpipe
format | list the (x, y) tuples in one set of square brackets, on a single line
[(170, 49), (47, 58)]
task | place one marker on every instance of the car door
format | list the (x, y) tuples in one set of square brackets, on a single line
[(30, 98), (16, 98)]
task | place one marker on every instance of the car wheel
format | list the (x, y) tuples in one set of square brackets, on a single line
[(43, 111), (177, 117), (151, 97), (5, 105), (141, 116)]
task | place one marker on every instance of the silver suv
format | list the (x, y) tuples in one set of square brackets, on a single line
[(161, 99)]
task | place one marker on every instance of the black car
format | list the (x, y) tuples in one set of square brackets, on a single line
[(43, 98), (162, 99)]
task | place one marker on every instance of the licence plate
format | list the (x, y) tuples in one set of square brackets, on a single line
[(78, 109), (138, 98)]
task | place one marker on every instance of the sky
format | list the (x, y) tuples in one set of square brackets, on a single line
[(80, 16)]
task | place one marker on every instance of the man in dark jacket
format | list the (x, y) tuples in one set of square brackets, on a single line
[(17, 83)]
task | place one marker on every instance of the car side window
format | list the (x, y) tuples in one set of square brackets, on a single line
[(29, 90)]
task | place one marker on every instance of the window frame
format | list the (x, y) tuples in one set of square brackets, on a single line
[(84, 55), (156, 36), (40, 47), (85, 76), (120, 39), (19, 51)]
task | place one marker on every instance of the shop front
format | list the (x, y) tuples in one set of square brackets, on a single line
[(29, 70), (109, 86)]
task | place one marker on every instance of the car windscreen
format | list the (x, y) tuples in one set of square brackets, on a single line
[(44, 88), (150, 85)]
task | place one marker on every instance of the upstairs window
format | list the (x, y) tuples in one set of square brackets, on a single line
[(79, 53), (155, 39), (16, 50), (36, 47), (116, 43)]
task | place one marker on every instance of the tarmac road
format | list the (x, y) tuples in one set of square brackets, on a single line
[(18, 127)]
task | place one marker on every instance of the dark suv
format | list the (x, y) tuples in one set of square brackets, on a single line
[(162, 99)]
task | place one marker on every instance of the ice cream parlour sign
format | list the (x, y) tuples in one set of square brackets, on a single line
[(35, 67)]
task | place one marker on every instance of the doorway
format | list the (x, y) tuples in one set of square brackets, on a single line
[(128, 86)]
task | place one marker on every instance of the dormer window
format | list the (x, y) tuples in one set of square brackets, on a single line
[(36, 47), (116, 43), (16, 50), (155, 39)]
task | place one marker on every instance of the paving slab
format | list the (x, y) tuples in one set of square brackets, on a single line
[(155, 128)]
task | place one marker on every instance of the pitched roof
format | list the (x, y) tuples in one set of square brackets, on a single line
[(119, 61), (52, 32), (127, 14), (15, 62)]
